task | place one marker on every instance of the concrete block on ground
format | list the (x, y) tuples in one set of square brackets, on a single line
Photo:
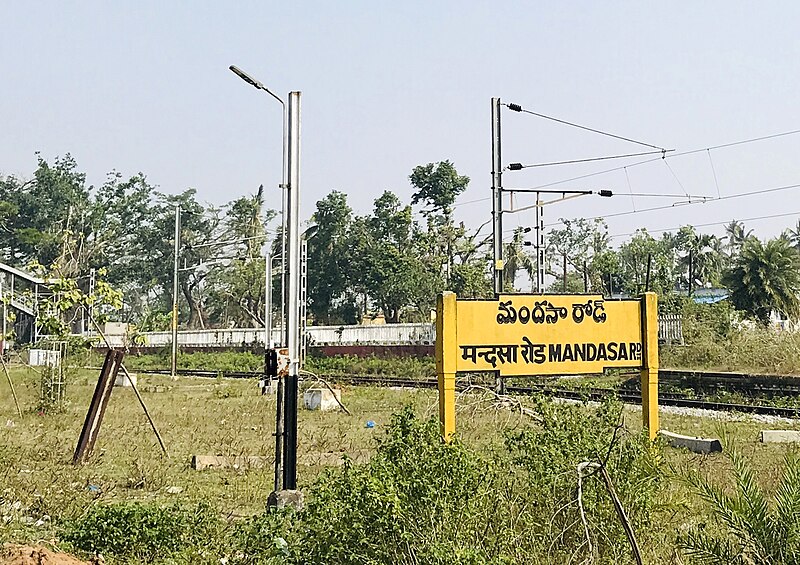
[(780, 436), (694, 444), (322, 399), (203, 462), (284, 498), (122, 380)]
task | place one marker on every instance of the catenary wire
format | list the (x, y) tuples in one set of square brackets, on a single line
[(728, 197), (705, 225), (652, 160), (518, 166), (518, 108), (671, 156)]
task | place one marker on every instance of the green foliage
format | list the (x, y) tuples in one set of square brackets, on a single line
[(765, 277), (632, 260), (417, 500), (219, 361), (746, 526), (143, 532), (261, 539), (438, 185), (549, 455), (402, 367), (330, 255)]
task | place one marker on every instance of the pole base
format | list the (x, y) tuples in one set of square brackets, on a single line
[(285, 498)]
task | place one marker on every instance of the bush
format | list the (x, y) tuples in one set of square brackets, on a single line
[(417, 500), (549, 455), (143, 532), (403, 367)]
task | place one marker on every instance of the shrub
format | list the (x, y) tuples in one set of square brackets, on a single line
[(549, 455), (143, 532), (416, 501)]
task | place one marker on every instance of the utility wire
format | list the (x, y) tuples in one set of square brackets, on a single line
[(519, 166), (680, 184), (714, 171), (518, 108), (667, 207), (652, 160), (681, 154), (768, 217)]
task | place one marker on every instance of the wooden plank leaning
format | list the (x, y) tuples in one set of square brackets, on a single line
[(97, 408)]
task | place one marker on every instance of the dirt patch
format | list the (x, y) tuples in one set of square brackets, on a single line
[(13, 554)]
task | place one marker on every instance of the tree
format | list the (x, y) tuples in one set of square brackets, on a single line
[(793, 236), (329, 259), (765, 278), (632, 261), (388, 266), (582, 242), (200, 225), (42, 213), (236, 295), (702, 257), (735, 236), (438, 185)]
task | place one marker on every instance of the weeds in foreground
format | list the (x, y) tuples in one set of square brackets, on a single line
[(746, 526), (417, 500)]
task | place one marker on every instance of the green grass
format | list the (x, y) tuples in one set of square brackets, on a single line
[(40, 490)]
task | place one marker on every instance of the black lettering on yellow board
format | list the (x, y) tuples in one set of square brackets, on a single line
[(539, 353)]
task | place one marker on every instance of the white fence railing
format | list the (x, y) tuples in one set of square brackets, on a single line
[(669, 331)]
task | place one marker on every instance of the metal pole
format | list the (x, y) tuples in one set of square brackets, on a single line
[(279, 434), (174, 366), (285, 184), (267, 298), (5, 318), (539, 245), (292, 301), (303, 300), (497, 200)]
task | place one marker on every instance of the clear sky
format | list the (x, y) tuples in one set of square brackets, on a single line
[(145, 86)]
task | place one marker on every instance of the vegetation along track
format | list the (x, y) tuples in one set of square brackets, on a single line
[(701, 383)]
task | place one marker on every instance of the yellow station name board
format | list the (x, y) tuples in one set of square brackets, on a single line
[(519, 335), (526, 335)]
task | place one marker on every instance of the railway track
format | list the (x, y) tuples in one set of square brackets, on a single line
[(771, 385)]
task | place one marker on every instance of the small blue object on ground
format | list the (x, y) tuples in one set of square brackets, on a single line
[(370, 423)]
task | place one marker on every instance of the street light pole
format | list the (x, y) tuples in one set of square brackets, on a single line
[(267, 298), (283, 186), (292, 299), (174, 365)]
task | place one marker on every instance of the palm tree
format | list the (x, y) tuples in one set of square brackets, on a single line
[(751, 526), (702, 255), (793, 236), (765, 277), (516, 259), (736, 235)]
